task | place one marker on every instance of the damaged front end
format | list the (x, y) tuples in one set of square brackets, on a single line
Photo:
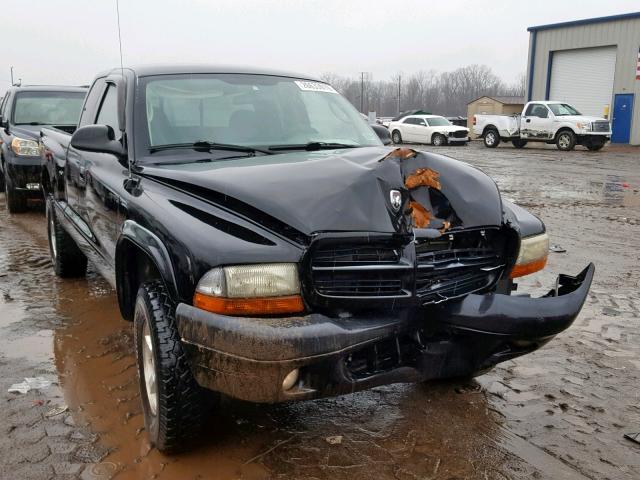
[(423, 293)]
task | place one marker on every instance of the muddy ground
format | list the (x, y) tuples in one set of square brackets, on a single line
[(559, 413)]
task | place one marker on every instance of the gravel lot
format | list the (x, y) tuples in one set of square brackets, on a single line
[(560, 412)]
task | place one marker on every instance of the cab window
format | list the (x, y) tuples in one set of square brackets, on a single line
[(537, 110), (108, 113), (88, 114)]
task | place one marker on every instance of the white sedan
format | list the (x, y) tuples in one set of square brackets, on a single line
[(431, 129)]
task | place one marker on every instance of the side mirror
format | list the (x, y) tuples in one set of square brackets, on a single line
[(97, 138), (383, 133), (4, 123)]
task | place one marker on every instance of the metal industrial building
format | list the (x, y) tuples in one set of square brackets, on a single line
[(592, 64)]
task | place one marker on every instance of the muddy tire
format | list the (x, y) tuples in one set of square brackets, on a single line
[(174, 405), (16, 201), (594, 147), (1, 180), (396, 137), (68, 260), (491, 138), (438, 140), (519, 143), (566, 140)]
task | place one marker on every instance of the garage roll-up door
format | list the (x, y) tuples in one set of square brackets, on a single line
[(584, 78)]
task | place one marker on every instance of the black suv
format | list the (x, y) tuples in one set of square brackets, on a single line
[(23, 112), (268, 246)]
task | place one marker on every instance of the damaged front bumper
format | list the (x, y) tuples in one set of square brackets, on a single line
[(25, 175), (249, 358)]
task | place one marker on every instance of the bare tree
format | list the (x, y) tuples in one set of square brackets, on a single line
[(445, 93)]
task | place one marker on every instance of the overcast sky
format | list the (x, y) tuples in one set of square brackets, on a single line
[(69, 41)]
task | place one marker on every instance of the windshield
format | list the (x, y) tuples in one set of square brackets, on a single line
[(563, 109), (438, 122), (47, 108), (248, 110)]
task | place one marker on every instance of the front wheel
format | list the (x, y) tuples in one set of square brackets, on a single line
[(491, 139), (16, 201), (172, 402), (438, 140), (594, 147), (396, 137), (566, 140), (68, 260)]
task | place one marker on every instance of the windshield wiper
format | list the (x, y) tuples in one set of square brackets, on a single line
[(313, 146), (204, 146), (31, 123)]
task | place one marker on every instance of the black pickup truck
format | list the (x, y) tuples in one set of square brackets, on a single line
[(268, 246), (23, 112)]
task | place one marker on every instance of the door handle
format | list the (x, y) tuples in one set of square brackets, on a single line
[(528, 120)]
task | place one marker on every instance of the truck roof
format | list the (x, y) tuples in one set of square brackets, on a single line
[(48, 88), (172, 69)]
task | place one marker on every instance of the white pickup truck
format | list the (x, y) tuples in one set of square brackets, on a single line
[(544, 121)]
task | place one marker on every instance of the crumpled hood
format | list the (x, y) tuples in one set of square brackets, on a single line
[(341, 190), (28, 132)]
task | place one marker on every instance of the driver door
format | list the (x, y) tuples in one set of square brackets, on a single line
[(536, 123)]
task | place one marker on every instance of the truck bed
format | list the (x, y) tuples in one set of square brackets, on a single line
[(507, 125)]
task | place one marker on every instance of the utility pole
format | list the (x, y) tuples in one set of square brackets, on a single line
[(363, 76), (399, 83), (362, 92), (11, 75)]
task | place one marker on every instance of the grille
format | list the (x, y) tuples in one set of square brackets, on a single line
[(457, 265), (355, 255), (359, 271), (341, 286), (601, 126), (447, 267), (458, 134)]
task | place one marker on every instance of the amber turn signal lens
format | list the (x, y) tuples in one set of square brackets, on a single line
[(527, 268), (249, 306)]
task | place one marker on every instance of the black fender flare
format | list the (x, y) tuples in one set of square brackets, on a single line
[(151, 245)]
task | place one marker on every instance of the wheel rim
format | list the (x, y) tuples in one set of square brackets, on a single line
[(437, 141), (149, 367), (490, 138), (564, 141), (396, 137), (52, 238)]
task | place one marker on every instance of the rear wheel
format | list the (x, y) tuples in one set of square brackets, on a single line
[(519, 143), (438, 140), (16, 201), (396, 136), (68, 260), (566, 140), (491, 138), (173, 403)]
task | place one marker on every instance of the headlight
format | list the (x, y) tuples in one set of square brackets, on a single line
[(26, 148), (262, 289), (584, 126), (532, 255)]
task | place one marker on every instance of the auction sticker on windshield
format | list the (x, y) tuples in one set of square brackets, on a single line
[(315, 86)]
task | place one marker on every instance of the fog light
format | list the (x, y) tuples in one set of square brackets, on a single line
[(290, 380)]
